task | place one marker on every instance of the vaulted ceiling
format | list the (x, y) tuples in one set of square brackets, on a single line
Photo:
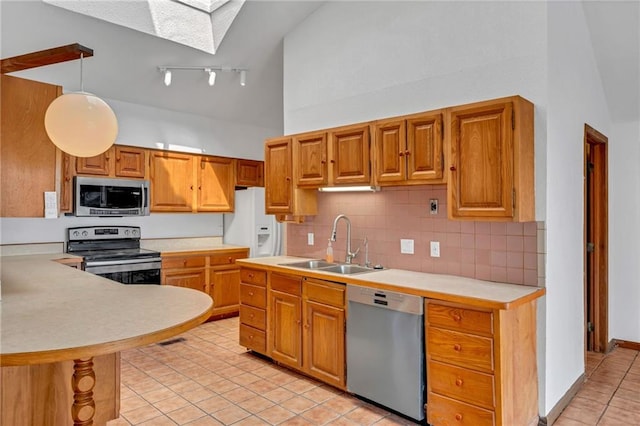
[(125, 62)]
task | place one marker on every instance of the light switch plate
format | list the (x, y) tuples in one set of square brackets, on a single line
[(310, 238), (406, 246), (435, 248)]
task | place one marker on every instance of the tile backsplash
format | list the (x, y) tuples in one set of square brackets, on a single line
[(494, 251)]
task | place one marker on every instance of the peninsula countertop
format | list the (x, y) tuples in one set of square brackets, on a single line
[(51, 312), (443, 287)]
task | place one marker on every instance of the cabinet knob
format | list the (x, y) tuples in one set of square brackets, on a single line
[(184, 263), (457, 317), (306, 325), (251, 315), (323, 161), (452, 168), (250, 293), (407, 153), (457, 347), (459, 417), (401, 154), (191, 187), (230, 259), (287, 178), (251, 337), (298, 322), (458, 382), (250, 275), (333, 161)]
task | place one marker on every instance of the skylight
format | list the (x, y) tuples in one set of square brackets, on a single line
[(201, 24)]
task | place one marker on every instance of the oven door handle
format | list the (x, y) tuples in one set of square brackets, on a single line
[(121, 262)]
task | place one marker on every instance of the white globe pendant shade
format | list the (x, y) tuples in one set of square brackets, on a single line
[(81, 124)]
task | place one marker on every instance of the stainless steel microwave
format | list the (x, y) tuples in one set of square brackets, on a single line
[(110, 197)]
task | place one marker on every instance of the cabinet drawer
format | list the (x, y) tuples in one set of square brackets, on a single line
[(183, 262), (459, 383), (327, 293), (253, 295), (462, 319), (254, 317), (253, 276), (286, 284), (464, 350), (252, 338), (225, 259), (445, 411)]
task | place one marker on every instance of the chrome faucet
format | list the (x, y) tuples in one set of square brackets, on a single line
[(349, 255)]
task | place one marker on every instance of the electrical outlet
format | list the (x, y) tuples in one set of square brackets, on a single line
[(310, 238), (433, 206), (435, 248), (406, 246)]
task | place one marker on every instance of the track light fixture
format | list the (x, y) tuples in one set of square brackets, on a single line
[(211, 72)]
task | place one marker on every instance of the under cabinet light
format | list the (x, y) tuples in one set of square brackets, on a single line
[(349, 189)]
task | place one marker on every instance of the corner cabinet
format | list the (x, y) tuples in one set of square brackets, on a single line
[(281, 197), (409, 150), (491, 161), (249, 172), (481, 365)]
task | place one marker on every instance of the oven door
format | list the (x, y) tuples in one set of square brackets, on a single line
[(132, 271)]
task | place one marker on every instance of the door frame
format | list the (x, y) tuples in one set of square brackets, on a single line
[(596, 225)]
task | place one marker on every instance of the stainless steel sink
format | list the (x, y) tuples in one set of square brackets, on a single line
[(309, 264), (348, 269)]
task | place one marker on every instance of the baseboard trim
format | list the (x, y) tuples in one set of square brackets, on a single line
[(555, 412), (626, 344)]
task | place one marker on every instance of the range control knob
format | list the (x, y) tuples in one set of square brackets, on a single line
[(76, 233), (85, 233), (126, 232), (135, 232)]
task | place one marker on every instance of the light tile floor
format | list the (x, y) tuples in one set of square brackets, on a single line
[(611, 394), (206, 378)]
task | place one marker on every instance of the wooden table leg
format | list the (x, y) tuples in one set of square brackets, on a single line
[(82, 383)]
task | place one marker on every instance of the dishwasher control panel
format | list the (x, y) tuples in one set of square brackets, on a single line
[(385, 299)]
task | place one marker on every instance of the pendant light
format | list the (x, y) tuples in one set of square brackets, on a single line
[(80, 123)]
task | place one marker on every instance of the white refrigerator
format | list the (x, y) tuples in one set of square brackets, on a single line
[(249, 226)]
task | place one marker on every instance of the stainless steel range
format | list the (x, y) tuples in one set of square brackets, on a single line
[(114, 252)]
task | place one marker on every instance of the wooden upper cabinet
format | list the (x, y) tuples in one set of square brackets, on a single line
[(129, 161), (216, 185), (408, 150), (249, 172), (99, 165), (27, 156), (350, 155), (491, 161), (310, 159), (67, 171), (171, 181), (278, 176)]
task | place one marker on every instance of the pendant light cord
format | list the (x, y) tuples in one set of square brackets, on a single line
[(81, 80)]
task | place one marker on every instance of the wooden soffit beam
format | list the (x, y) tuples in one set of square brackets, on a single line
[(51, 56)]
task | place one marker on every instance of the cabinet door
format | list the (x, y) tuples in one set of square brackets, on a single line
[(224, 289), (171, 182), (285, 340), (310, 159), (324, 348), (130, 162), (481, 169), (194, 278), (249, 173), (349, 156), (27, 156), (424, 148), (389, 151), (100, 165), (67, 170), (278, 183), (216, 184)]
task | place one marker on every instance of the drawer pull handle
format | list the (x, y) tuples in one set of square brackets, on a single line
[(457, 347), (251, 315), (251, 337), (458, 382), (250, 293), (459, 417), (250, 275), (457, 317), (230, 259)]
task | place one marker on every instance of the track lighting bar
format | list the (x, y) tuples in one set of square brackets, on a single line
[(211, 73)]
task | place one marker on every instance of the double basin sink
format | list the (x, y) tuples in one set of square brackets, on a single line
[(336, 268)]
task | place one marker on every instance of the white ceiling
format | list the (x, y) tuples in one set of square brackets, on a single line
[(124, 65)]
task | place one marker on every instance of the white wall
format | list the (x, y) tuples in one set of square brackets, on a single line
[(624, 231), (151, 127), (357, 61), (575, 97)]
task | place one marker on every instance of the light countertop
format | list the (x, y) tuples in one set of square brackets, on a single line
[(52, 312), (443, 287), (179, 245)]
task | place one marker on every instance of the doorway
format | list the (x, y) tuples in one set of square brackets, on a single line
[(596, 240)]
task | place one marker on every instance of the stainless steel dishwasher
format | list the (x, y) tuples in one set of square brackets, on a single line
[(385, 349)]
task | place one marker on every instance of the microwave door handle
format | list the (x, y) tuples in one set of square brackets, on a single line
[(144, 196)]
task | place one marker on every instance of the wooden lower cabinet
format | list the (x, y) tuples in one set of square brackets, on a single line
[(213, 272), (481, 365), (253, 310), (285, 316)]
